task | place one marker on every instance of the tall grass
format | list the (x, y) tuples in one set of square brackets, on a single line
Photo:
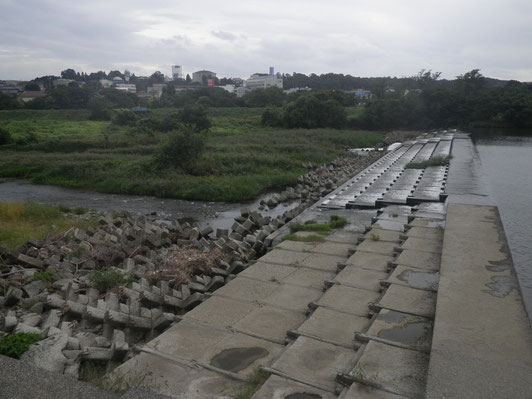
[(241, 159), (19, 222)]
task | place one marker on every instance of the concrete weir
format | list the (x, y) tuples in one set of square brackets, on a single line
[(414, 297)]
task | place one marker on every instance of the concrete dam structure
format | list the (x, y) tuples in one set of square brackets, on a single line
[(415, 297)]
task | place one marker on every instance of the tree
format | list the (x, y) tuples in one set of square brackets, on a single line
[(99, 109), (310, 112), (183, 147), (8, 102), (69, 74), (273, 96), (188, 79), (194, 117), (32, 86)]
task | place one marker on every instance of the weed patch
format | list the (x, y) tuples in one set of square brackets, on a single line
[(335, 223), (255, 381), (15, 345), (45, 276), (106, 279), (19, 222), (375, 237)]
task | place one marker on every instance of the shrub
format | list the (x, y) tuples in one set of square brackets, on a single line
[(182, 149), (5, 136), (99, 109), (271, 117), (46, 276), (15, 345), (124, 117), (106, 279)]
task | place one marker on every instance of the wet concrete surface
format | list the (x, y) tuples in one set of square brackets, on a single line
[(237, 359), (420, 279), (303, 396)]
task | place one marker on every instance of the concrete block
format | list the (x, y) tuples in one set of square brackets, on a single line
[(419, 259), (332, 326), (354, 301), (378, 366), (278, 387), (314, 362), (409, 300), (361, 278)]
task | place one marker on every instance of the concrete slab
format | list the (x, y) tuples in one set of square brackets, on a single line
[(383, 235), (360, 391), (409, 300), (268, 271), (378, 247), (405, 329), (482, 343), (220, 311), (309, 278), (278, 387), (422, 244), (284, 257), (333, 248), (293, 297), (393, 212), (370, 261), (247, 289), (297, 245), (333, 326), (314, 362), (188, 339), (353, 301), (429, 223), (425, 232), (415, 278), (270, 322), (343, 237), (361, 278), (322, 262), (435, 207), (241, 353), (169, 378), (419, 259), (396, 225), (397, 370)]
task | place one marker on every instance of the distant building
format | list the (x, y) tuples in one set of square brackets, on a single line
[(296, 89), (263, 81), (177, 72), (127, 75), (106, 83), (156, 90), (361, 94), (63, 82), (201, 76), (9, 89), (127, 87), (30, 95)]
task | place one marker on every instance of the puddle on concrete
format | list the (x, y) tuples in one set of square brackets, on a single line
[(421, 280), (408, 334), (237, 359), (433, 207), (501, 286), (303, 396)]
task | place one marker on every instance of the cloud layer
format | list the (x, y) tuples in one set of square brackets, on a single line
[(357, 37)]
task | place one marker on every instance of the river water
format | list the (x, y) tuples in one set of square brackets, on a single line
[(507, 163), (214, 214)]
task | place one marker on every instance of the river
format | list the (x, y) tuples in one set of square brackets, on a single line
[(214, 214), (507, 163)]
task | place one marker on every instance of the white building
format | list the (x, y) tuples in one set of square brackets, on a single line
[(130, 88), (156, 90), (263, 81), (177, 72)]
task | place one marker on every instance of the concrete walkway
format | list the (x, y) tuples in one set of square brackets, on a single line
[(482, 343)]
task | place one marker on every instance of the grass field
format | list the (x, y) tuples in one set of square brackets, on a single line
[(241, 160), (19, 222)]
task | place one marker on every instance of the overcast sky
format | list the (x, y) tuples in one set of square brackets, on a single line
[(237, 38)]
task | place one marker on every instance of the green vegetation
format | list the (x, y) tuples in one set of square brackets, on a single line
[(106, 279), (255, 381), (95, 374), (335, 223), (240, 157), (300, 238), (19, 222), (15, 345), (375, 237), (436, 161), (46, 276)]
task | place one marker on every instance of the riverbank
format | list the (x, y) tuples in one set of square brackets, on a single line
[(242, 159)]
